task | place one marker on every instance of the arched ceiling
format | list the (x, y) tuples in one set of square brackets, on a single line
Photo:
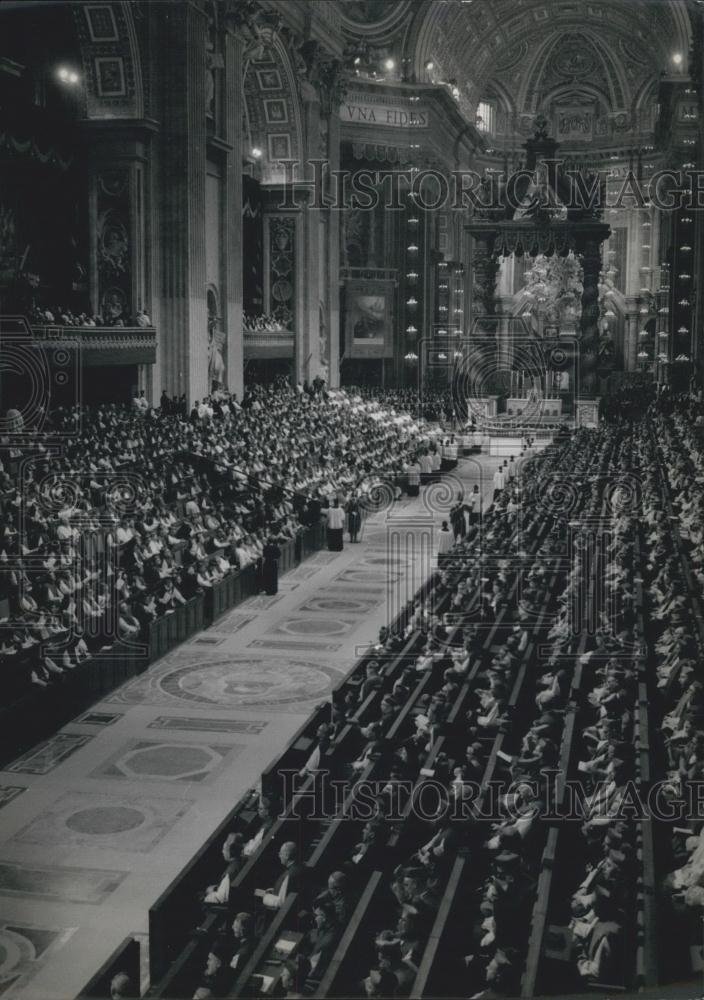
[(529, 53)]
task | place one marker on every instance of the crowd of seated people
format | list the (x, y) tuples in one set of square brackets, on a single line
[(252, 324), (144, 508), (649, 639), (647, 621), (603, 901), (432, 404), (393, 745), (675, 574), (59, 315)]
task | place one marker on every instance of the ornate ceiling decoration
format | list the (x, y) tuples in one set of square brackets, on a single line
[(373, 17), (499, 45)]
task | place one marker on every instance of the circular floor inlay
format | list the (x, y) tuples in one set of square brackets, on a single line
[(13, 949), (105, 819), (311, 626), (168, 761), (337, 604), (248, 682)]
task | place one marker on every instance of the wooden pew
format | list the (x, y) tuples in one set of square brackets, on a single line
[(451, 902), (284, 916), (336, 978), (125, 958)]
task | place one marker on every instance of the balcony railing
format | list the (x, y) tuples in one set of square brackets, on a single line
[(101, 345), (268, 343)]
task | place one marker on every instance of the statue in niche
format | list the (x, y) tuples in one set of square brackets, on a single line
[(216, 344), (323, 342), (354, 241), (113, 243), (216, 363), (541, 126), (213, 61)]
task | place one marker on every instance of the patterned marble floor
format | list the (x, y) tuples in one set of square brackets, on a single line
[(98, 820)]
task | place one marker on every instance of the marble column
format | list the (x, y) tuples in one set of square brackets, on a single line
[(232, 231), (630, 353), (184, 315), (591, 264), (308, 347), (120, 202), (332, 259)]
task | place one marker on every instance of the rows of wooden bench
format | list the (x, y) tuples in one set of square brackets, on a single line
[(376, 904), (433, 977), (684, 929), (167, 939), (531, 978), (171, 936), (640, 951)]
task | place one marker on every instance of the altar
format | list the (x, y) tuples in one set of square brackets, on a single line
[(506, 445), (534, 408)]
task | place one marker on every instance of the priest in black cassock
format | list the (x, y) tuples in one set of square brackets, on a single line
[(270, 566)]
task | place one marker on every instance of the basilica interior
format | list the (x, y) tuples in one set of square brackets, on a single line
[(351, 498)]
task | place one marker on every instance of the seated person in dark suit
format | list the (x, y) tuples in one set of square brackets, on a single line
[(336, 896), (219, 892), (415, 892), (368, 854), (290, 880), (244, 941), (380, 983), (216, 973), (321, 940), (294, 974), (600, 953)]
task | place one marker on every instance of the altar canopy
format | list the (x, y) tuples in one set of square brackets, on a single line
[(542, 210)]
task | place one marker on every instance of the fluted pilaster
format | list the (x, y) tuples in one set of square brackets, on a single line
[(232, 237), (184, 316)]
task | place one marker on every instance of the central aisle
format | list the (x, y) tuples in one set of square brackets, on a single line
[(124, 796)]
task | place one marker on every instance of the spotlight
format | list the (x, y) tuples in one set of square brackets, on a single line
[(677, 58), (67, 75), (389, 65)]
